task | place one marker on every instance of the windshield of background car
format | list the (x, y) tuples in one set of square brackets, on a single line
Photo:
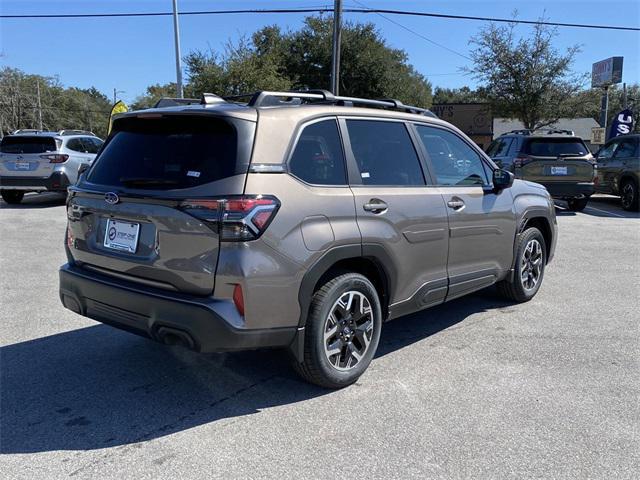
[(554, 147), (24, 144), (170, 152)]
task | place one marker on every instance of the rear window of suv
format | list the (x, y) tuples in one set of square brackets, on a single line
[(553, 147), (22, 144), (171, 152)]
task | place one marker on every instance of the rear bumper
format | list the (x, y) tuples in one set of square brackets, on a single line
[(566, 190), (202, 324), (57, 182)]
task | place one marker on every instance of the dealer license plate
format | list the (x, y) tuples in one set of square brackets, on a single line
[(559, 171), (23, 165), (121, 235)]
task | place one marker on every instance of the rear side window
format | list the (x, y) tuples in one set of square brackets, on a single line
[(76, 145), (384, 153), (554, 147), (318, 157), (172, 152), (23, 144)]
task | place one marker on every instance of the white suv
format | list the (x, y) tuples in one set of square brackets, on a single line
[(37, 161)]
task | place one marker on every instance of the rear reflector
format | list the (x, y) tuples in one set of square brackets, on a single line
[(236, 218), (238, 299)]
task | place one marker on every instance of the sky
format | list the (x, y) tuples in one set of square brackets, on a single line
[(131, 53)]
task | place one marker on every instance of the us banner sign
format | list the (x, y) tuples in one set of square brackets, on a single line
[(622, 123)]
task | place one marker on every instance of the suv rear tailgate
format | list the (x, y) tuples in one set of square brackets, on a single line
[(555, 159), (127, 218), (25, 155)]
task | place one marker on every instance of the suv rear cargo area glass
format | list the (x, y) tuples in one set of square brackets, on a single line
[(552, 147), (22, 144), (171, 152)]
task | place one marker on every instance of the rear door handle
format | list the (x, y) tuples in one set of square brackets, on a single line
[(455, 204), (375, 206)]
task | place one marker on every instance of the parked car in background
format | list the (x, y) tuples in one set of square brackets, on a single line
[(619, 170), (297, 220), (556, 159), (38, 161)]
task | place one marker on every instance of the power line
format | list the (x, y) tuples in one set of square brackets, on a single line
[(433, 42), (323, 10)]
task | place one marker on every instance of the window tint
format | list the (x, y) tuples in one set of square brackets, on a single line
[(454, 161), (553, 147), (168, 153), (499, 147), (318, 156), (89, 145), (76, 145), (627, 149), (384, 153), (23, 144), (607, 151)]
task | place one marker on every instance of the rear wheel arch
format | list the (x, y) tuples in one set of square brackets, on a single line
[(371, 261)]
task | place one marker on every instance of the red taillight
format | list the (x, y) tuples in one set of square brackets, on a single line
[(236, 219), (55, 157), (238, 299)]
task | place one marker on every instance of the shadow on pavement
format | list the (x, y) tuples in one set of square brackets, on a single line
[(37, 200), (98, 387)]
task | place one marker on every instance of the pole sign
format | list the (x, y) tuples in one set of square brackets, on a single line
[(606, 72), (622, 123), (597, 135)]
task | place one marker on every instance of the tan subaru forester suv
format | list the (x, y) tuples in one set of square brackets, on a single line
[(298, 220)]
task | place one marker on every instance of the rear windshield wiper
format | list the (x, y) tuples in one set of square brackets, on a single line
[(146, 182)]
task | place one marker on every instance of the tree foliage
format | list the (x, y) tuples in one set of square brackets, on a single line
[(526, 78), (62, 108), (273, 59)]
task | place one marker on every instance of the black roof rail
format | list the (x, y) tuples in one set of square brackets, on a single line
[(546, 131), (265, 98)]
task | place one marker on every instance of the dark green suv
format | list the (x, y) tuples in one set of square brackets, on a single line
[(557, 159), (619, 170)]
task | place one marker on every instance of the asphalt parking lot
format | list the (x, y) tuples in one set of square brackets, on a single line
[(477, 388)]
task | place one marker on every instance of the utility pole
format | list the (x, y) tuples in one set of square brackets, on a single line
[(335, 58), (176, 32), (39, 105)]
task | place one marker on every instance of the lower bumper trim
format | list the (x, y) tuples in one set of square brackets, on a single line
[(197, 323)]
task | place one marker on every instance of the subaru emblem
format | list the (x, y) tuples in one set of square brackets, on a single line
[(111, 198)]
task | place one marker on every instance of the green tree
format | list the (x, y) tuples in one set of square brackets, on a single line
[(459, 95), (153, 94), (526, 78), (59, 107), (272, 59)]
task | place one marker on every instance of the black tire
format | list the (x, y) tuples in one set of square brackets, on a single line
[(12, 197), (629, 198), (577, 204), (514, 288), (316, 366)]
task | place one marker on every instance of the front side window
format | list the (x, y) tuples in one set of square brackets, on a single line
[(454, 162), (318, 157), (627, 149), (384, 153), (607, 151)]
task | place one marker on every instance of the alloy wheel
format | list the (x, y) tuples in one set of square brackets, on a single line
[(348, 330), (531, 264), (627, 195)]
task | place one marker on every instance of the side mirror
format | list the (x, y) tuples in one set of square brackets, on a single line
[(502, 179)]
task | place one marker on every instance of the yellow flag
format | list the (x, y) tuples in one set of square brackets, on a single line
[(118, 107)]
